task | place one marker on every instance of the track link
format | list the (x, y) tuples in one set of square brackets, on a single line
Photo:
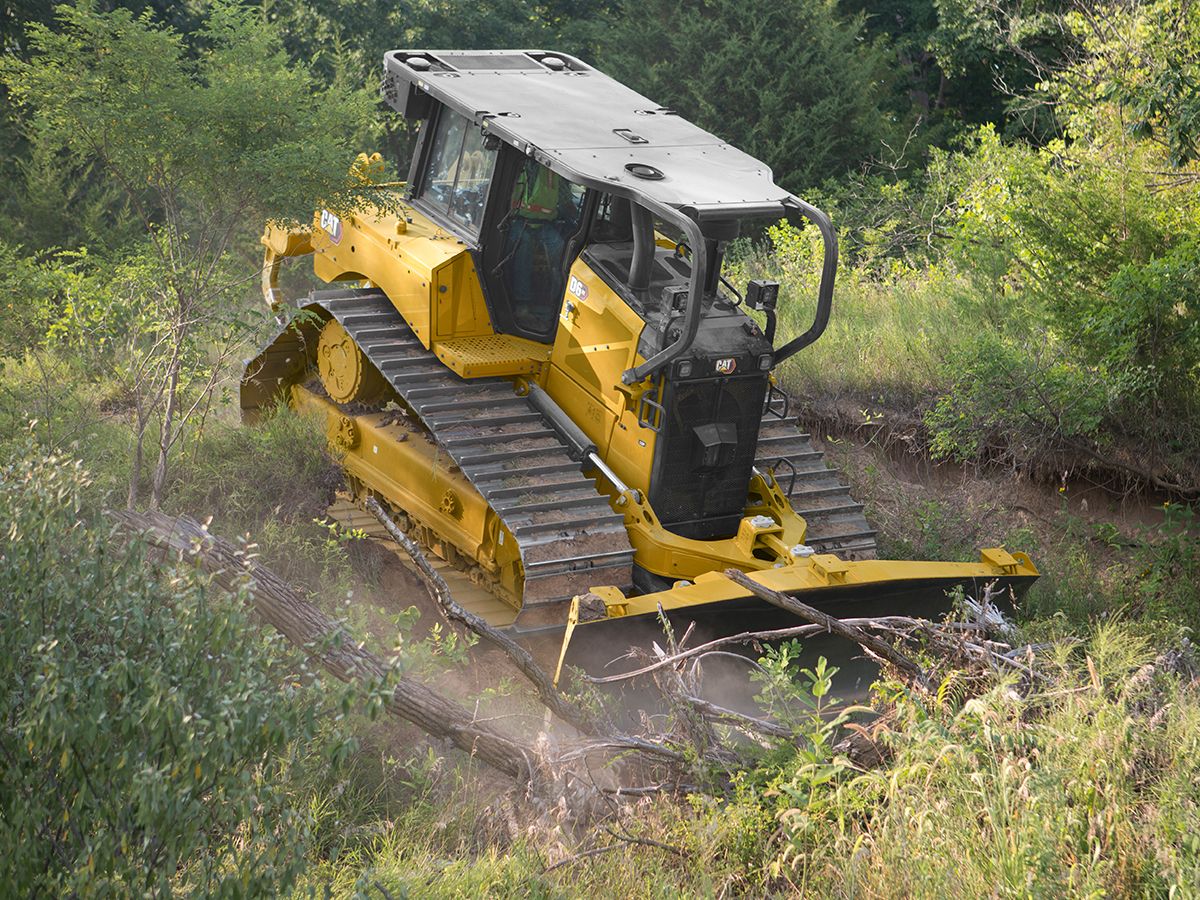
[(568, 536), (836, 523)]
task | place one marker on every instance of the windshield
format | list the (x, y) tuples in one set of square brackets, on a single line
[(458, 170)]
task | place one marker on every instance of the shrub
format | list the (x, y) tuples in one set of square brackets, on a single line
[(1169, 568), (148, 729), (1015, 401)]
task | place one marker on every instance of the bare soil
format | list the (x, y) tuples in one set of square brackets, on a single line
[(886, 462)]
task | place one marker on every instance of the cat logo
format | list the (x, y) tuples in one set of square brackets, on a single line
[(726, 366), (332, 226)]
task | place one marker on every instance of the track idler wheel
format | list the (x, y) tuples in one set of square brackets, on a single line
[(346, 373)]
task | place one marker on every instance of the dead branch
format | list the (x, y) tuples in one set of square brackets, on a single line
[(598, 851), (749, 637), (439, 592), (645, 842), (740, 720), (578, 857), (873, 645)]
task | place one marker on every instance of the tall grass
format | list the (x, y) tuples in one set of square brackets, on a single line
[(889, 331), (271, 481), (1087, 785)]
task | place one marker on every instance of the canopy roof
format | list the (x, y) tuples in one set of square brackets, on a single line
[(585, 125)]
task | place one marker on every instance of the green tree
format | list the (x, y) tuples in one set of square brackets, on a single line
[(795, 83), (149, 733), (204, 146), (994, 54), (1142, 59)]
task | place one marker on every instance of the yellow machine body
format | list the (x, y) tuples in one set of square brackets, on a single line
[(529, 353), (430, 278)]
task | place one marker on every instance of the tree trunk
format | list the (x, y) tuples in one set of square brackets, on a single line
[(135, 474), (166, 433)]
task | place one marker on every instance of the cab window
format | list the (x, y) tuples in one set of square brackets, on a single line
[(543, 214), (458, 170)]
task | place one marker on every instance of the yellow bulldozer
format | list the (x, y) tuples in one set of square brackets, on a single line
[(533, 360)]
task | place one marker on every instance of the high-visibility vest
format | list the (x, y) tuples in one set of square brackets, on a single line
[(538, 200)]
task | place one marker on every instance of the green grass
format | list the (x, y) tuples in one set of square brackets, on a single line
[(888, 333), (1087, 785), (44, 400)]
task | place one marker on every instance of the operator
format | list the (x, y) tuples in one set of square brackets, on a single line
[(545, 213)]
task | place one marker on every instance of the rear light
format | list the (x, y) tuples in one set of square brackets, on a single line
[(684, 369), (764, 362)]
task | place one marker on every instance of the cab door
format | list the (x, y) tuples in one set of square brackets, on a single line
[(527, 252)]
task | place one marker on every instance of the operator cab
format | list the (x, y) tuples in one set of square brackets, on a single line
[(525, 215), (529, 224), (535, 160)]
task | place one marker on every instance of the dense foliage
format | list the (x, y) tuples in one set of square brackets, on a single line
[(149, 729), (795, 83), (1040, 303)]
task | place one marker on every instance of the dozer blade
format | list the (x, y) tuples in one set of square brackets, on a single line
[(599, 640)]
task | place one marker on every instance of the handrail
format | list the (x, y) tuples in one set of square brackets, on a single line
[(828, 273), (695, 301), (695, 294)]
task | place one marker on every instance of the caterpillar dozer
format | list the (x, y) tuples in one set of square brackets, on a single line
[(533, 359)]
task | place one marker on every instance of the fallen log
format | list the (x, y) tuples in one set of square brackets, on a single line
[(326, 641)]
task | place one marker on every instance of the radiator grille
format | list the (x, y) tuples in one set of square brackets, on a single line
[(690, 500)]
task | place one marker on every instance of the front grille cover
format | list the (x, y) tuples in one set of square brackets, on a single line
[(692, 501)]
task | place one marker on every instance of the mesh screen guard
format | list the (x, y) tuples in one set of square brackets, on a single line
[(690, 499)]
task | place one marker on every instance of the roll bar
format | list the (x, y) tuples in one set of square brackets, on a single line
[(695, 300), (828, 273)]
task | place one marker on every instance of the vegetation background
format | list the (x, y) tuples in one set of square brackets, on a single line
[(1014, 185)]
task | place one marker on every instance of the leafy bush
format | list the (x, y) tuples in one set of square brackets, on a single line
[(1154, 324), (1014, 401), (148, 730)]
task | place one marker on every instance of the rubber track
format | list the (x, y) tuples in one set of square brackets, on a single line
[(569, 537)]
